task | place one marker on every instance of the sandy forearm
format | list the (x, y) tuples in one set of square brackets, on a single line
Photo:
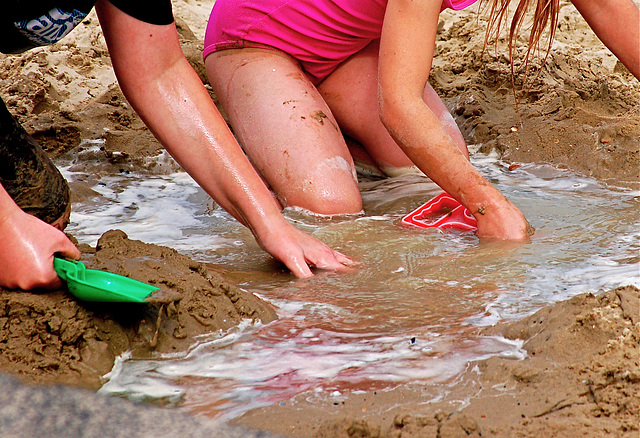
[(430, 147), (406, 54), (434, 152)]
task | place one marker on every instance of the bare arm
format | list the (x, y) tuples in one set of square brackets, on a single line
[(170, 98), (406, 52), (27, 247), (617, 24)]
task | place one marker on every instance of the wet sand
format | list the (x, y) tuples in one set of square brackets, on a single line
[(52, 337), (582, 374), (580, 379)]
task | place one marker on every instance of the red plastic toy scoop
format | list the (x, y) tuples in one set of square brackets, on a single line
[(442, 212)]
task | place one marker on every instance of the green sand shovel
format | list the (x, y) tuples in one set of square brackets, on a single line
[(93, 285)]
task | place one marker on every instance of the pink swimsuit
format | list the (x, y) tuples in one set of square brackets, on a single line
[(320, 34)]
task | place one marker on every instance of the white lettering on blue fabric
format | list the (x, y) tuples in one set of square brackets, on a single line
[(50, 27)]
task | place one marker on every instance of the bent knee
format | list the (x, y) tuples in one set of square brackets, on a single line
[(337, 205), (334, 200), (328, 187)]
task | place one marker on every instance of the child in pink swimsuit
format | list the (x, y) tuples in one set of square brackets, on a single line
[(311, 85)]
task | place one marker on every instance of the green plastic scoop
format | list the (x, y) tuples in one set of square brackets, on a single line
[(93, 285)]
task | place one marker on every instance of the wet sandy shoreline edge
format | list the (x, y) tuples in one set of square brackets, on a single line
[(580, 377), (67, 93)]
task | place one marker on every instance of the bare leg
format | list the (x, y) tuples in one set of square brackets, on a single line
[(352, 94), (286, 129)]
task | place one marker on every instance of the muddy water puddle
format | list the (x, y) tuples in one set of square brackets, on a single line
[(410, 313)]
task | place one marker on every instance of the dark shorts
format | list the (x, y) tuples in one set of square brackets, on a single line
[(28, 174)]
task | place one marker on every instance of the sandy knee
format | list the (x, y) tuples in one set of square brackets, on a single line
[(327, 202), (329, 188)]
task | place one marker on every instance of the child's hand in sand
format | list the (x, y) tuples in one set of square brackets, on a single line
[(298, 251), (27, 247)]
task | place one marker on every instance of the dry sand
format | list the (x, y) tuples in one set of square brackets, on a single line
[(582, 376)]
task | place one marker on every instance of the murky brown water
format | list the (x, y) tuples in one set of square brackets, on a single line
[(411, 312)]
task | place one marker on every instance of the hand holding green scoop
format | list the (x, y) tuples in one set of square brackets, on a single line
[(93, 285)]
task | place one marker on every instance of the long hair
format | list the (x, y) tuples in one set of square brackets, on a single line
[(545, 19)]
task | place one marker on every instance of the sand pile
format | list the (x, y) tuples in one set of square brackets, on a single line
[(51, 337)]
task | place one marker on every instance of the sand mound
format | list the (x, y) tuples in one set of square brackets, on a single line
[(52, 337)]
